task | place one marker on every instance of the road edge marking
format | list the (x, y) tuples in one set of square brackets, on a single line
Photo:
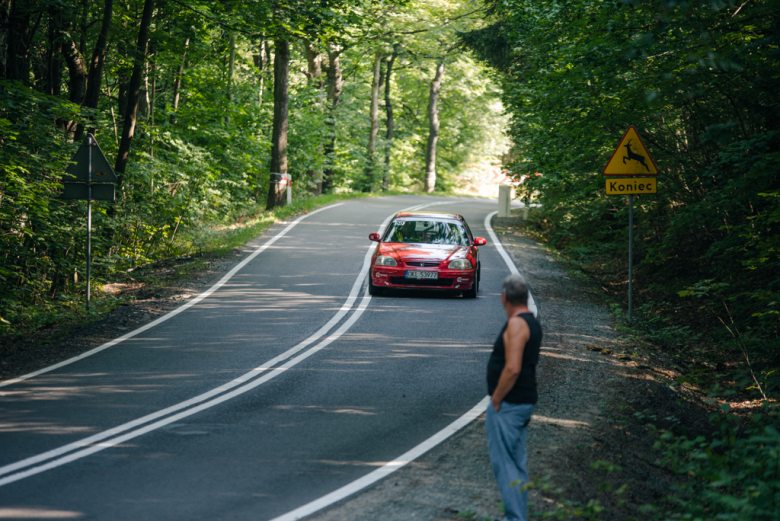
[(508, 260), (95, 443), (387, 469), (173, 313)]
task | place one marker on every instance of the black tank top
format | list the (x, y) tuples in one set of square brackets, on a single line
[(524, 390)]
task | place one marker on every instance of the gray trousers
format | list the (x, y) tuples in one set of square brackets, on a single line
[(507, 432)]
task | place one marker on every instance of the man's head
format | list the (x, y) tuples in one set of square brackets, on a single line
[(515, 290)]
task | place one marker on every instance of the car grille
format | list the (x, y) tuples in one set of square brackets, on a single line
[(423, 264), (420, 282)]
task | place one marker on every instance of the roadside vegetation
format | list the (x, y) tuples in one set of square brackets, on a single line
[(700, 81), (195, 103)]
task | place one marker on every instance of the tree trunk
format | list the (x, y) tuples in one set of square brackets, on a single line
[(77, 72), (53, 85), (314, 62), (133, 92), (281, 109), (177, 82), (369, 170), (433, 133), (335, 84), (20, 37), (231, 72), (84, 27), (95, 75), (123, 79), (151, 94), (389, 120), (5, 18), (314, 74), (77, 69), (261, 62)]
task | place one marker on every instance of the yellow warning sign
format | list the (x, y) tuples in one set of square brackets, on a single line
[(631, 157), (632, 186)]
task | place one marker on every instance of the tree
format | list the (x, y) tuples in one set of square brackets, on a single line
[(134, 91), (389, 118), (281, 120), (433, 132), (95, 74), (335, 86), (376, 85)]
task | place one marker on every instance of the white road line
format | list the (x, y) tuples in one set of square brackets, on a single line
[(101, 441), (93, 448), (176, 311), (388, 468), (419, 450), (508, 260)]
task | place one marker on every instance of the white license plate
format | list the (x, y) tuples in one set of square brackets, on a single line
[(422, 274)]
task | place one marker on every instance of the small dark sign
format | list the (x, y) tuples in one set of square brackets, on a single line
[(79, 191), (101, 169)]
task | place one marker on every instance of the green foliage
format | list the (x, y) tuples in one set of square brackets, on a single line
[(696, 78), (699, 81), (200, 168), (734, 475), (566, 509)]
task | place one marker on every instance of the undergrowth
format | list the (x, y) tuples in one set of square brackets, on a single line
[(723, 359)]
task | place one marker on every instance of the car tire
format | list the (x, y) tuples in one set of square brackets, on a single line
[(472, 293), (373, 290)]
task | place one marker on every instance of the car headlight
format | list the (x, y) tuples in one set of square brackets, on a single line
[(384, 260), (460, 264)]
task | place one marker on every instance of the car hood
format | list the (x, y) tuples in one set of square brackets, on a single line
[(423, 252)]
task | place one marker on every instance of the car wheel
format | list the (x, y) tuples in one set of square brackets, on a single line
[(373, 290), (472, 293)]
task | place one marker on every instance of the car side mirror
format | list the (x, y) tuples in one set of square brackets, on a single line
[(479, 241), (373, 237)]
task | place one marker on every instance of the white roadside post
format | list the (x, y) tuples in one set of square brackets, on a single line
[(289, 187), (504, 200)]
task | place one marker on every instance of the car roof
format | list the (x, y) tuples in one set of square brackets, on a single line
[(431, 215)]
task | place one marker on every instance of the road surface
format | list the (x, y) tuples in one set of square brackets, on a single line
[(284, 384)]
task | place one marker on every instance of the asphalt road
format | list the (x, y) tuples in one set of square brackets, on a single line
[(404, 367)]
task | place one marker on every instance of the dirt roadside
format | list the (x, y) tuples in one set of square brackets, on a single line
[(585, 454)]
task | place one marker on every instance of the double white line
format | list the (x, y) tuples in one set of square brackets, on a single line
[(411, 455), (127, 431)]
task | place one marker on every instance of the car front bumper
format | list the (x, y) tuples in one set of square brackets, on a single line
[(395, 277)]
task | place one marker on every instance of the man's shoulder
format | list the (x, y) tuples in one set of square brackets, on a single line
[(518, 323)]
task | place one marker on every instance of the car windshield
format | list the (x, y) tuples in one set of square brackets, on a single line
[(426, 232)]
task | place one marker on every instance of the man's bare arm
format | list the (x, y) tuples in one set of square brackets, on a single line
[(515, 337)]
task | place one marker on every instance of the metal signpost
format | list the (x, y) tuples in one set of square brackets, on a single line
[(636, 173), (79, 182)]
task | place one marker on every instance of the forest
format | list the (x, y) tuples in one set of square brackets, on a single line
[(197, 103)]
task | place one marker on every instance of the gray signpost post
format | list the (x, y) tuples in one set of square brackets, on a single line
[(90, 178)]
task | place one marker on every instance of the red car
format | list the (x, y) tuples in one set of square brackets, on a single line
[(433, 250)]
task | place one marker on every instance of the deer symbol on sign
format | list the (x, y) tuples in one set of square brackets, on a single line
[(631, 155), (636, 157)]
